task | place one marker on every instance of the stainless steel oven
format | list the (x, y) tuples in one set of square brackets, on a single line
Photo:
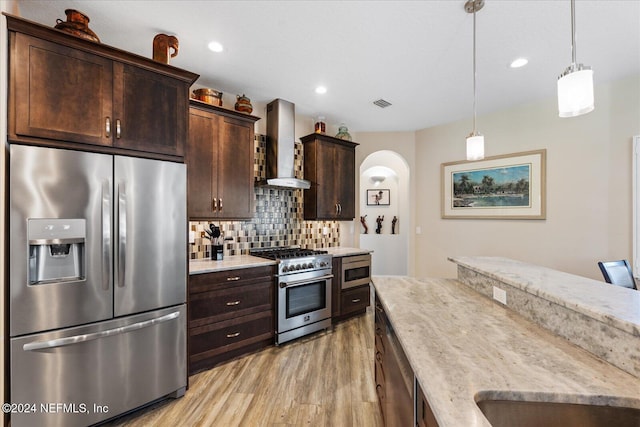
[(303, 290), (304, 304), (356, 271)]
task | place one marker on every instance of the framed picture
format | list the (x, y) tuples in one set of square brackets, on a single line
[(511, 186), (378, 197)]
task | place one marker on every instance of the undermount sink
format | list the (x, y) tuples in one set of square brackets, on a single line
[(509, 413)]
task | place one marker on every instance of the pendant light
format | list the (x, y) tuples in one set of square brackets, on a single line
[(475, 141), (575, 84)]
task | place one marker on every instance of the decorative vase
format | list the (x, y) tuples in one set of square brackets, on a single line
[(163, 45), (343, 133), (210, 96), (77, 23), (243, 104)]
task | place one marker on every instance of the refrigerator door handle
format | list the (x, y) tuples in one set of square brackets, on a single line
[(76, 339), (122, 232), (106, 234)]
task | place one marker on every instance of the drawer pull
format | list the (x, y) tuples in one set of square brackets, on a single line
[(107, 127), (355, 300), (233, 279), (233, 335), (230, 303)]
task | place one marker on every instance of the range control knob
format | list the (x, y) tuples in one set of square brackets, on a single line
[(285, 269)]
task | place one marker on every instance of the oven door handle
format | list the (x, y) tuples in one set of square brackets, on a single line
[(305, 281)]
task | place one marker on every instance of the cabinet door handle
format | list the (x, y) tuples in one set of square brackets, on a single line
[(233, 335), (215, 204), (118, 129), (355, 300), (339, 208), (107, 127), (233, 279), (220, 205), (232, 303)]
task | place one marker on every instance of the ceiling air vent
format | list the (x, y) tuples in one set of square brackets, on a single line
[(382, 103)]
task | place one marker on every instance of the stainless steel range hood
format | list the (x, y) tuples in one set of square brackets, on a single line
[(280, 146)]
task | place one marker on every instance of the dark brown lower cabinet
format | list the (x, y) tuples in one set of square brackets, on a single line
[(230, 313), (354, 300), (349, 302), (393, 374), (424, 415), (395, 379)]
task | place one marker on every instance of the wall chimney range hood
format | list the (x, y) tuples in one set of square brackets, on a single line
[(280, 146)]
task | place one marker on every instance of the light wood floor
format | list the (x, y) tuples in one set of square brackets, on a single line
[(325, 379)]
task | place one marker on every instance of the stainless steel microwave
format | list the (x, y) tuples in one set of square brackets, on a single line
[(356, 271)]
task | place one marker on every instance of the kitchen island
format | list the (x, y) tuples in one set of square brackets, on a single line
[(463, 347)]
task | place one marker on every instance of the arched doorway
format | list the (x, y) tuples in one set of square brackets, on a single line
[(384, 190)]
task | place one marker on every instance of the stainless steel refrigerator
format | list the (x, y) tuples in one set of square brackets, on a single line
[(97, 272)]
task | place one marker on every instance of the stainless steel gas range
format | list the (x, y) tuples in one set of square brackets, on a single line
[(303, 290)]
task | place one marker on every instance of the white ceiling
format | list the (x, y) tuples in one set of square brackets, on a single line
[(415, 54)]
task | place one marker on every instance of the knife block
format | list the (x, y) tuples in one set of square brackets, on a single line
[(217, 252)]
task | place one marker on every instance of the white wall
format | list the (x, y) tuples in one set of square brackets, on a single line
[(402, 143), (390, 251), (589, 212)]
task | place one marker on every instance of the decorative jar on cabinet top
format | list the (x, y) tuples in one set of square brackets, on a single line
[(343, 133), (77, 23), (243, 104)]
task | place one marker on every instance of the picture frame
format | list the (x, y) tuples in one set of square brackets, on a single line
[(510, 186), (378, 197)]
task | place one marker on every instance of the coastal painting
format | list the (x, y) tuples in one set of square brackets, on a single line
[(508, 186)]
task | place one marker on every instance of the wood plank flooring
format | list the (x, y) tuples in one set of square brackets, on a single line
[(325, 379)]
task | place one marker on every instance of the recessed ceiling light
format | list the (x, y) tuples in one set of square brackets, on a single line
[(215, 47), (519, 62), (321, 89)]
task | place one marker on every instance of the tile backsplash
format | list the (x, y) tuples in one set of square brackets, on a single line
[(278, 219)]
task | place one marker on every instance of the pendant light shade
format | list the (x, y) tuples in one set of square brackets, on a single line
[(575, 92), (475, 141), (475, 147), (575, 84)]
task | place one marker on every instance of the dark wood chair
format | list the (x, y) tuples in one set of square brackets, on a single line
[(618, 273)]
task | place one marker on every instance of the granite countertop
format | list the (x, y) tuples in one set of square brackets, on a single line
[(344, 251), (614, 305), (232, 262), (463, 346)]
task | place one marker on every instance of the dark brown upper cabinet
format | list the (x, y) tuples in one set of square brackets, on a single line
[(65, 91), (329, 163), (220, 157)]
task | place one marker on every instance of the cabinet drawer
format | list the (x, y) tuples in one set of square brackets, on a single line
[(233, 302), (230, 278), (215, 339), (354, 299)]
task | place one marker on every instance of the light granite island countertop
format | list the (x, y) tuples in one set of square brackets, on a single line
[(462, 347)]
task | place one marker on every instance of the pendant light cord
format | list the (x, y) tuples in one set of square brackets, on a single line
[(474, 68), (573, 32)]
